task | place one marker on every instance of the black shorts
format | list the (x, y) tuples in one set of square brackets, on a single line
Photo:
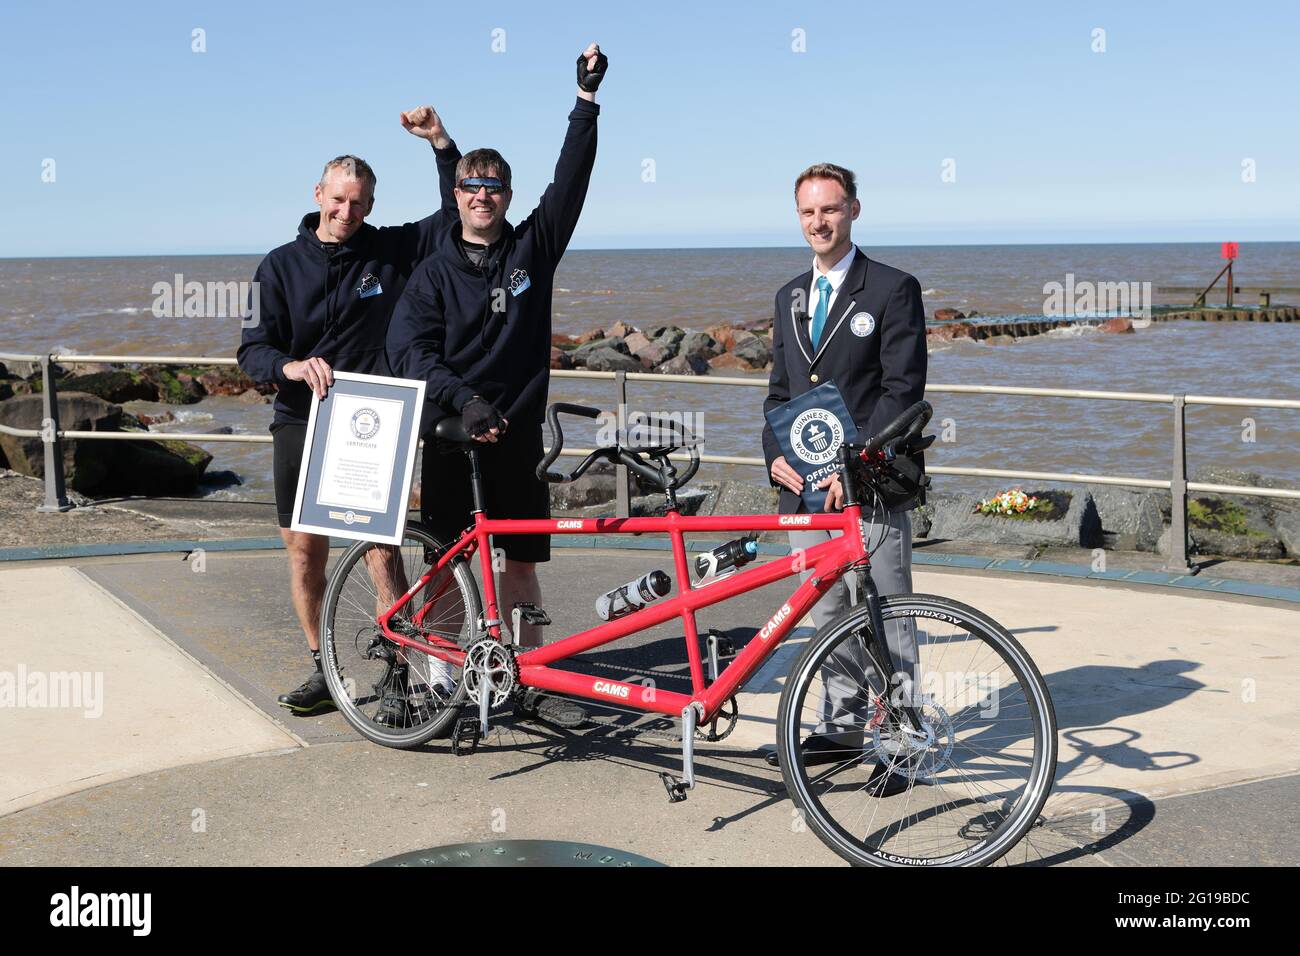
[(288, 444), (511, 489)]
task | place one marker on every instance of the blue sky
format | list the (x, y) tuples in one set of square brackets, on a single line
[(159, 149)]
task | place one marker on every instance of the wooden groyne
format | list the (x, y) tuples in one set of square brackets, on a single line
[(1019, 327), (1015, 328), (1283, 313)]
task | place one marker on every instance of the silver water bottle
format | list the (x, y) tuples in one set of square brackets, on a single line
[(633, 596), (721, 562)]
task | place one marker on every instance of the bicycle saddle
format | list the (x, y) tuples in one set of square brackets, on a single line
[(452, 431)]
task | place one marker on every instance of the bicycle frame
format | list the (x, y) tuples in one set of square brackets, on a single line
[(829, 561)]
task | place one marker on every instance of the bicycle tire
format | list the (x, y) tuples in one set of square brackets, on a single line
[(341, 654), (984, 838)]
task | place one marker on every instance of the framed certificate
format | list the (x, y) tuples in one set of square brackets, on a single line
[(359, 457)]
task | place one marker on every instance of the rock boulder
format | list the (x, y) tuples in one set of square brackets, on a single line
[(611, 360), (101, 468), (684, 364)]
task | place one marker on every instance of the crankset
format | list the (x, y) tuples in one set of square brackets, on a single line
[(490, 672)]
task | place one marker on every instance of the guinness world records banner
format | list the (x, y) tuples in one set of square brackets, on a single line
[(810, 429)]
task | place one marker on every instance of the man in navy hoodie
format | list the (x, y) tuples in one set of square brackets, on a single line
[(325, 302), (475, 324)]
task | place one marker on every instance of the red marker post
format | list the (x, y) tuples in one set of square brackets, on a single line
[(1229, 251)]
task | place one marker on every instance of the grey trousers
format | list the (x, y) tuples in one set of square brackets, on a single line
[(844, 707)]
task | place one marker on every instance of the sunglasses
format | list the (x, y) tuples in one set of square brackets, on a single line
[(473, 184)]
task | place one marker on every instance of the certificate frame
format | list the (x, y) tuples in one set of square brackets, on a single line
[(358, 458)]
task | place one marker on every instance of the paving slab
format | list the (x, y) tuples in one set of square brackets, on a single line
[(1156, 692), (90, 693)]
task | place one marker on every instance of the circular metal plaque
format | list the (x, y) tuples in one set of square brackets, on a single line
[(519, 853)]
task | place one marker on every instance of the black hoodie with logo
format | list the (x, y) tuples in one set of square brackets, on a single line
[(485, 330), (334, 300)]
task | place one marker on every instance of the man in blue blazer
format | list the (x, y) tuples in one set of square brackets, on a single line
[(860, 324)]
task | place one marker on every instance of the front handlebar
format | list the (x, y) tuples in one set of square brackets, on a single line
[(912, 420)]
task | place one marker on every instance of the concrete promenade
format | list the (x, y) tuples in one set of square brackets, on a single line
[(1178, 713)]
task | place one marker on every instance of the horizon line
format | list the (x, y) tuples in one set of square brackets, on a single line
[(726, 248)]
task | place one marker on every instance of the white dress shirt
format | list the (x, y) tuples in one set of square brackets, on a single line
[(836, 278)]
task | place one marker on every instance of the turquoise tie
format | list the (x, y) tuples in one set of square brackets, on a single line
[(819, 316)]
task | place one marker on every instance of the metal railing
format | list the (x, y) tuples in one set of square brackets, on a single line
[(1177, 485)]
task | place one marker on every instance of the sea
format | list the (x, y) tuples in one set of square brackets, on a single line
[(107, 305)]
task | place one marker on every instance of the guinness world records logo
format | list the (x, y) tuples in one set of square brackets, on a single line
[(816, 435), (365, 423)]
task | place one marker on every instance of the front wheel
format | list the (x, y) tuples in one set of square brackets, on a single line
[(958, 788), (394, 695)]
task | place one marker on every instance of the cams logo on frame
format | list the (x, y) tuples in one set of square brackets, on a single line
[(103, 909)]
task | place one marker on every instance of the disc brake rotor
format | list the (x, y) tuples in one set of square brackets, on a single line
[(915, 754)]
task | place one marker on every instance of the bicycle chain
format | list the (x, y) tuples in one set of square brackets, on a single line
[(612, 722), (654, 675)]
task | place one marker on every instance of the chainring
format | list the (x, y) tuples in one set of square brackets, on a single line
[(490, 668), (728, 714)]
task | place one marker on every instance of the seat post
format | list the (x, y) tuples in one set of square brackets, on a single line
[(475, 478)]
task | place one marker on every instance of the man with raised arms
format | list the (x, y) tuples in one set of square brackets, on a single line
[(475, 324)]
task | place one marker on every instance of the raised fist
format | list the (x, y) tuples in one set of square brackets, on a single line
[(592, 65), (424, 122)]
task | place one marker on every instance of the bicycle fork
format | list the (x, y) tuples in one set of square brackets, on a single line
[(877, 649)]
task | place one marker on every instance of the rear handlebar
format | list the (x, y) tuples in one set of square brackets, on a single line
[(681, 437), (557, 442), (627, 457)]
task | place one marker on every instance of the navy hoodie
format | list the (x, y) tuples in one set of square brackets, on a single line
[(334, 301), (445, 330)]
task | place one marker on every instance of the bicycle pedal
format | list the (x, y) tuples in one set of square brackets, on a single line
[(676, 789), (726, 647), (530, 613), (465, 738)]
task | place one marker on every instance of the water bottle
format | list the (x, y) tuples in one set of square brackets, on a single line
[(720, 562), (633, 596)]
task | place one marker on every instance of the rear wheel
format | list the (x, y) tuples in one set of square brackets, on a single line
[(966, 785), (394, 695)]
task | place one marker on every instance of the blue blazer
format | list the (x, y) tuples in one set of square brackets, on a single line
[(872, 347)]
